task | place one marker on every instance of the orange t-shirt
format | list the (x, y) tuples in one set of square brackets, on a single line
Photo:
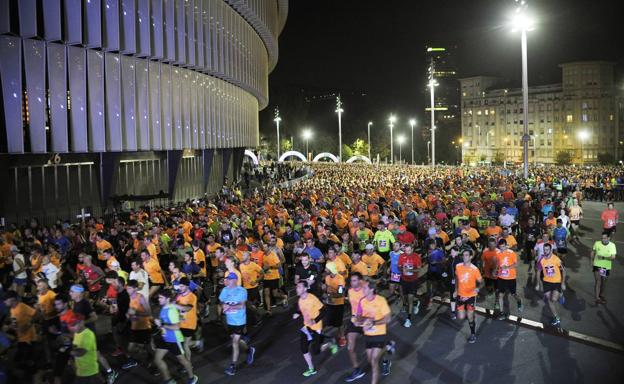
[(23, 315), (552, 269), (467, 278), (489, 262), (375, 309), (505, 259), (153, 270), (310, 308)]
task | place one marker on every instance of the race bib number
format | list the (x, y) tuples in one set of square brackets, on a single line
[(408, 270), (382, 243), (504, 272), (561, 243), (550, 270), (603, 272), (395, 277), (610, 222)]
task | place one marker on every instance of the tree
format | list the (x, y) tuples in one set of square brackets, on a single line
[(347, 152), (360, 148), (606, 158), (286, 145), (563, 158), (499, 158)]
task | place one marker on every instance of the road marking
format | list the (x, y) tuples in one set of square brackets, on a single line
[(576, 336)]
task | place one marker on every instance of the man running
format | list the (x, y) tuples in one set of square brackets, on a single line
[(553, 281), (506, 264), (409, 264), (609, 219), (467, 286), (355, 294), (602, 256)]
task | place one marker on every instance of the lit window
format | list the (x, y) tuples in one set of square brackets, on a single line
[(611, 117), (487, 112), (492, 112), (584, 117), (464, 94), (479, 113), (569, 118)]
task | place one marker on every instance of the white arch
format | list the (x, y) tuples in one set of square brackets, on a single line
[(323, 155), (253, 156), (297, 154), (359, 157)]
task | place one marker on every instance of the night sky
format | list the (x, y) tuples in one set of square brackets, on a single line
[(377, 48)]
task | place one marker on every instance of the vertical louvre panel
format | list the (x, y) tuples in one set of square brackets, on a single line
[(128, 92), (51, 20), (194, 124), (72, 19), (93, 21), (143, 28), (186, 107), (35, 70), (27, 10), (142, 88), (5, 16), (176, 96), (96, 110), (155, 110), (78, 96), (180, 33), (113, 102), (157, 35), (57, 75), (128, 26), (207, 14), (169, 30), (201, 86), (199, 33), (190, 32), (11, 70), (165, 91), (110, 25)]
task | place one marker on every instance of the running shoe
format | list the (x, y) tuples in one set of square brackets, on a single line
[(111, 376), (520, 309), (407, 323), (416, 308), (199, 346), (231, 370), (453, 316), (250, 355), (356, 374), (555, 322), (130, 364), (333, 348), (309, 372), (193, 380), (472, 339), (502, 316), (385, 367), (391, 347)]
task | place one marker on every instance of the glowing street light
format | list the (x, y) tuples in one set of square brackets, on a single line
[(523, 22), (412, 123), (432, 85), (307, 135), (400, 140), (277, 120), (392, 119), (583, 136), (369, 145), (339, 111)]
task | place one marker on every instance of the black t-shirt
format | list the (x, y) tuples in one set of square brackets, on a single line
[(533, 233), (83, 308), (305, 273), (123, 303)]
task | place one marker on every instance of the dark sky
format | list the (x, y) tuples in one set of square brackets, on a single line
[(377, 47)]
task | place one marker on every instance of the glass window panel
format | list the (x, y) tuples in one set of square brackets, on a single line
[(128, 26), (78, 98), (35, 71), (176, 96), (57, 75), (72, 17), (128, 93), (52, 20), (199, 33), (96, 110), (169, 30), (165, 91), (143, 22), (157, 29), (155, 110), (142, 87), (113, 102), (110, 25), (27, 10), (186, 105), (190, 32), (93, 20), (180, 33), (11, 74)]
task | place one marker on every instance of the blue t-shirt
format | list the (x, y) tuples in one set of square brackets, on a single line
[(435, 260), (559, 236), (513, 211), (547, 208), (234, 296), (169, 315), (315, 253), (394, 262)]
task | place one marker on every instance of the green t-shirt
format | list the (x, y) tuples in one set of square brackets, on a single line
[(384, 240), (603, 250), (87, 364), (457, 218)]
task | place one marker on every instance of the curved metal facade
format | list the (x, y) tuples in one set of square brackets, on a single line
[(82, 76)]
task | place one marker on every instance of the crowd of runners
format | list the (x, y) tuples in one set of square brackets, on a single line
[(351, 239)]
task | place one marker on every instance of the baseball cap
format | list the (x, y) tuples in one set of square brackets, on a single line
[(77, 288), (14, 248), (402, 228), (370, 246), (232, 276), (185, 280), (331, 267)]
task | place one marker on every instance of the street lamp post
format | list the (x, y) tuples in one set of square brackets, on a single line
[(369, 145), (392, 120), (277, 120), (412, 123), (524, 23), (339, 111), (400, 140), (461, 150), (432, 85), (307, 134), (428, 151)]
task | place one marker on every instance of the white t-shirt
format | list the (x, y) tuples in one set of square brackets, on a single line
[(51, 271), (16, 266), (142, 277)]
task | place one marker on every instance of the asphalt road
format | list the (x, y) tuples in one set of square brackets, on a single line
[(434, 349)]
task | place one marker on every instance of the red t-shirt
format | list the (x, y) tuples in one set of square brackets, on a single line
[(609, 217), (409, 264), (406, 237)]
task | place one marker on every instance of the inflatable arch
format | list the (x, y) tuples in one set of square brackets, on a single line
[(359, 157), (324, 155), (288, 154), (252, 155)]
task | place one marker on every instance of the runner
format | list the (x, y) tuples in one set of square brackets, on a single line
[(576, 214), (140, 317), (469, 282), (506, 264), (373, 315), (311, 338), (394, 271), (609, 219), (436, 260), (355, 294), (186, 303), (602, 256), (553, 281), (171, 339), (334, 289), (233, 299), (489, 258), (84, 351), (383, 240), (410, 264)]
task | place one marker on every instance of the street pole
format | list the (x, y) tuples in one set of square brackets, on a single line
[(277, 123), (307, 151), (339, 110), (369, 145), (391, 143), (412, 123), (428, 150), (400, 151), (525, 103), (534, 151)]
